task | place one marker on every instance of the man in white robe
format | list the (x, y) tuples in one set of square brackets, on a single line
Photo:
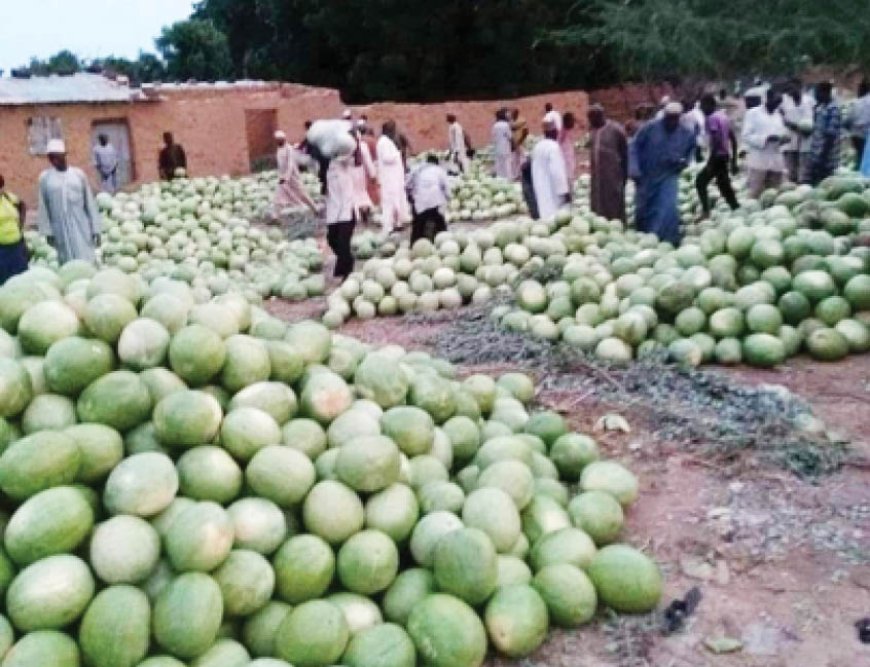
[(363, 170), (553, 117), (395, 210), (68, 213), (549, 179), (106, 163), (456, 142), (501, 145)]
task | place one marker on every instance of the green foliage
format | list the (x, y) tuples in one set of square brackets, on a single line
[(195, 49), (63, 62)]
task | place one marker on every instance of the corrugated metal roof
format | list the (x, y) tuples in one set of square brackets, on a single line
[(64, 90)]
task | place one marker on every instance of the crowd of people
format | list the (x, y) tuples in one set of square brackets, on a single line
[(786, 133)]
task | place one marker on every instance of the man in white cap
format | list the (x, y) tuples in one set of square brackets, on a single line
[(662, 150), (549, 178), (68, 213), (290, 192), (347, 114)]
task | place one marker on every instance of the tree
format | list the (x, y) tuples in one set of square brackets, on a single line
[(145, 69), (195, 49), (63, 62)]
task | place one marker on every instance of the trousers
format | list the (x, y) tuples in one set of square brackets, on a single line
[(338, 236), (716, 168)]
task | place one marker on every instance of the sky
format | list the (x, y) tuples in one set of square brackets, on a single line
[(88, 28)]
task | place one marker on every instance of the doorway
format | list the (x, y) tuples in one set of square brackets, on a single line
[(260, 126), (118, 132)]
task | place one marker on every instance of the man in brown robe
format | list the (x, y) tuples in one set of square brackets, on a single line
[(608, 152)]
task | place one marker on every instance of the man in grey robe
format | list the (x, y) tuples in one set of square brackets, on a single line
[(608, 155), (68, 213), (106, 163)]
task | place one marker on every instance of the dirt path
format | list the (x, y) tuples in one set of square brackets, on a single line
[(782, 563)]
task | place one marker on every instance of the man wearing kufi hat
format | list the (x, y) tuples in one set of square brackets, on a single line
[(290, 192), (662, 150), (68, 213)]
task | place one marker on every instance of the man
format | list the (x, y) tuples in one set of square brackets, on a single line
[(430, 192), (723, 152), (319, 160), (519, 134), (608, 165), (693, 119), (501, 145), (106, 163), (827, 122), (68, 214), (456, 143), (859, 121), (663, 148), (172, 158), (363, 170), (764, 134), (13, 251), (290, 191), (553, 117), (549, 180), (797, 114), (341, 214), (391, 175)]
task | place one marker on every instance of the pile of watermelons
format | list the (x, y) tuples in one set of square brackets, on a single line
[(205, 485)]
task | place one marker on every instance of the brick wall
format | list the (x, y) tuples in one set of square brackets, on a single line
[(211, 125), (620, 101)]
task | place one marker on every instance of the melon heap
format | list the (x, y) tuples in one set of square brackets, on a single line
[(199, 231), (756, 286), (204, 485)]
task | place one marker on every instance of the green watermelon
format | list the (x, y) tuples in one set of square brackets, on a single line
[(71, 364), (447, 632), (465, 565), (568, 593), (626, 580), (118, 399), (116, 628), (50, 593), (368, 562), (187, 615), (314, 633), (516, 620), (385, 645), (304, 568), (45, 647), (246, 580), (187, 419), (200, 538), (38, 462), (124, 550)]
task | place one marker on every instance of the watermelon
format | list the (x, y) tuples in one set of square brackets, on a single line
[(465, 565), (45, 323), (209, 473), (312, 341), (286, 361), (360, 612), (572, 452), (314, 633), (385, 645), (598, 514), (261, 627), (429, 532), (611, 477), (143, 344), (115, 630), (258, 525), (568, 545), (368, 463), (368, 562), (187, 419), (393, 511), (543, 515), (200, 538), (626, 580), (142, 484), (224, 653), (274, 398), (410, 587), (187, 615), (280, 474), (53, 521), (857, 292), (245, 431), (516, 620), (763, 350), (50, 593), (101, 448), (332, 511), (196, 354), (411, 428), (304, 568), (493, 512), (48, 412), (306, 435), (824, 344), (16, 389), (325, 395), (246, 580), (38, 462), (568, 593), (381, 379), (124, 549), (447, 632), (513, 477), (118, 399), (44, 647), (106, 315), (247, 362), (71, 364)]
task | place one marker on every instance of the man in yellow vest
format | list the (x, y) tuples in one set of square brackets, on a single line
[(13, 253)]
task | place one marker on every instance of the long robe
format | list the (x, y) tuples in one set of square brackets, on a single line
[(566, 143), (548, 178), (501, 149), (361, 174), (106, 162), (68, 212), (608, 153), (391, 175), (661, 156), (290, 192), (458, 149)]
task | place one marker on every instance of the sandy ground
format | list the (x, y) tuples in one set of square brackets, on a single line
[(782, 563)]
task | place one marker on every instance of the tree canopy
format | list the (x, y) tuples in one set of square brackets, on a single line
[(416, 50)]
